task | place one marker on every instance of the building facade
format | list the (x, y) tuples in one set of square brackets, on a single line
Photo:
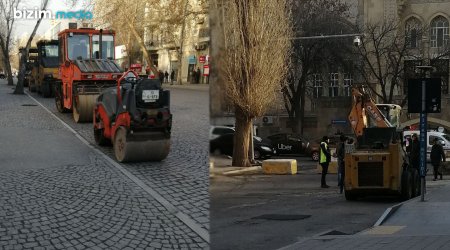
[(425, 25), (163, 44)]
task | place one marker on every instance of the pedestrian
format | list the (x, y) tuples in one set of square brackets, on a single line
[(325, 158), (172, 76), (414, 155), (161, 76), (341, 163), (437, 156), (166, 76), (198, 74)]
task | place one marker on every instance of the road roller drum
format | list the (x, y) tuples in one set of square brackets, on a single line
[(83, 108)]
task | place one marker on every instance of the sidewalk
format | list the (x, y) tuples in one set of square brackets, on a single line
[(199, 87), (31, 139), (414, 225)]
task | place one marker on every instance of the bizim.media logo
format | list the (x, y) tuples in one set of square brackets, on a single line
[(47, 14)]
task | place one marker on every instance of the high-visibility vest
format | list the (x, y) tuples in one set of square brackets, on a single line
[(323, 156)]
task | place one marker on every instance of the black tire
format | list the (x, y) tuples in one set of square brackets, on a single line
[(45, 90), (32, 87), (100, 139), (350, 196), (407, 187), (59, 99)]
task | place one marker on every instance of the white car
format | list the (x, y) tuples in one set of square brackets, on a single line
[(216, 131)]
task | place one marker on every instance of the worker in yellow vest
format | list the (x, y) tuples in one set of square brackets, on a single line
[(325, 158)]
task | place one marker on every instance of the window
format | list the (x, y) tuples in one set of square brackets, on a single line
[(432, 138), (317, 85), (78, 47), (333, 89), (439, 32), (348, 82), (413, 35), (49, 50), (107, 46), (314, 106)]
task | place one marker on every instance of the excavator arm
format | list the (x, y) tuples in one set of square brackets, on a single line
[(363, 109)]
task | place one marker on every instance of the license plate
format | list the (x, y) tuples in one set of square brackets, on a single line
[(101, 76), (150, 95)]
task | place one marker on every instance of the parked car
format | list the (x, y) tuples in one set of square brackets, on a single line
[(2, 76), (224, 145), (286, 143), (216, 131)]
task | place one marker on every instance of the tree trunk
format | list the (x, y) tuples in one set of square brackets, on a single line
[(241, 139), (22, 69), (144, 50), (19, 87), (180, 51), (8, 71), (302, 110)]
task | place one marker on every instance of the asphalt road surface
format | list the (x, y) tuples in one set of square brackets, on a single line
[(269, 212)]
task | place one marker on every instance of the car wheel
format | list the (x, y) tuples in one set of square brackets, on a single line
[(257, 154), (315, 156)]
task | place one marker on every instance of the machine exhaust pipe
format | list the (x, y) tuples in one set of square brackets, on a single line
[(100, 45)]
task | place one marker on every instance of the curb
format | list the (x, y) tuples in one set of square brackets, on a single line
[(245, 171), (389, 211)]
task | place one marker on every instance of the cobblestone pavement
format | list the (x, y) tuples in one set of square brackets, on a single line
[(93, 204)]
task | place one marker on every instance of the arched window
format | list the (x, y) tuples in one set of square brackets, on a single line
[(439, 32), (413, 34)]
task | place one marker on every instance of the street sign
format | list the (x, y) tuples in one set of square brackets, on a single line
[(206, 70), (191, 60), (202, 59)]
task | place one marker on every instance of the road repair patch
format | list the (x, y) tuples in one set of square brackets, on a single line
[(383, 230)]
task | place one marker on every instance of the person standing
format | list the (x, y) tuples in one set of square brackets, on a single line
[(414, 156), (437, 156), (341, 163), (325, 158), (172, 76), (198, 75), (161, 76), (166, 76)]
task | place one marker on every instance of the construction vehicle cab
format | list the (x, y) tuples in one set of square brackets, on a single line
[(45, 68), (378, 163), (86, 67)]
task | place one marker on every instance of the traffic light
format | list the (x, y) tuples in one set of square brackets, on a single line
[(432, 95)]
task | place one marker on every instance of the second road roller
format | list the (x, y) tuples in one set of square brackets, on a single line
[(86, 67), (135, 117)]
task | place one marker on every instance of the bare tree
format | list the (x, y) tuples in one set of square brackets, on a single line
[(314, 18), (7, 22), (24, 53), (383, 50), (127, 18), (171, 20), (253, 61)]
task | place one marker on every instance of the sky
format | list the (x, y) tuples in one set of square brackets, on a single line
[(25, 26)]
